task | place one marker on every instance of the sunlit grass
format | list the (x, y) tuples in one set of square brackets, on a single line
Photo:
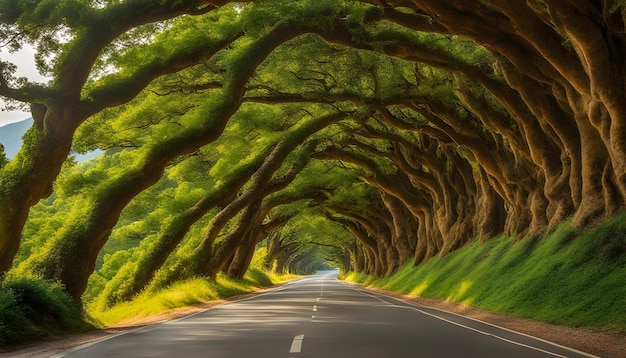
[(183, 294), (570, 277)]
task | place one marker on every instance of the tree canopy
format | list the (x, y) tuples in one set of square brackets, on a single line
[(359, 134)]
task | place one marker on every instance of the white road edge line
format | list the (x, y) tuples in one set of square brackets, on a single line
[(296, 345), (413, 306)]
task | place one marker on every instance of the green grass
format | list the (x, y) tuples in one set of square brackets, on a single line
[(184, 294), (573, 277)]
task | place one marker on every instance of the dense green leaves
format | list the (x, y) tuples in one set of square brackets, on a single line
[(31, 309)]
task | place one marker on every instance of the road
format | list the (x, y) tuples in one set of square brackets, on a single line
[(322, 317)]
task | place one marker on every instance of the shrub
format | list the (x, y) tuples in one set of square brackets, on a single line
[(32, 309), (10, 314)]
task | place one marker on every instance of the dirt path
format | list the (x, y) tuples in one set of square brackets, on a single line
[(597, 343)]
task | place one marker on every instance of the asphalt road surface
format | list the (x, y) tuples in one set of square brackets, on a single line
[(321, 317)]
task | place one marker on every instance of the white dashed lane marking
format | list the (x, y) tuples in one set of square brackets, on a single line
[(296, 345)]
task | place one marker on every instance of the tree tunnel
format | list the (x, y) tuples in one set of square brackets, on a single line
[(363, 135)]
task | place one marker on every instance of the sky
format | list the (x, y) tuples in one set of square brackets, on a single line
[(25, 62)]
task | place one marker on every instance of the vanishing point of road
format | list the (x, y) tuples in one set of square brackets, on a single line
[(322, 317)]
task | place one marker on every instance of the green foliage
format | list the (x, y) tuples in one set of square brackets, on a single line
[(313, 13), (32, 309), (3, 158), (10, 316), (617, 5), (571, 277), (179, 264), (45, 220), (259, 258)]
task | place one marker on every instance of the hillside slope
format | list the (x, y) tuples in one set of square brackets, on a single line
[(11, 136), (572, 277)]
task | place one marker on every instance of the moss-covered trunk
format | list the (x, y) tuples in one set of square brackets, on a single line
[(30, 175)]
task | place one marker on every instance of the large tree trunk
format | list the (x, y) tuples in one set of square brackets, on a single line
[(490, 210), (242, 257), (29, 176), (404, 229)]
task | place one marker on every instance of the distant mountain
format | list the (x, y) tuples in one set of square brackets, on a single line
[(11, 137)]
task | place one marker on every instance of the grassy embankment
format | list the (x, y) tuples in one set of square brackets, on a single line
[(184, 294), (571, 277), (32, 310)]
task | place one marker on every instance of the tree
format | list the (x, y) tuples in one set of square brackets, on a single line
[(78, 88), (448, 121)]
